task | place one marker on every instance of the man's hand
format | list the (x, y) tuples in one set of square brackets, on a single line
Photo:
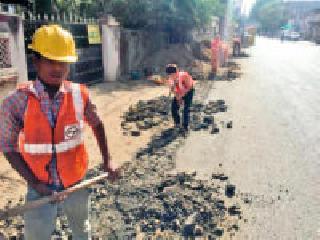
[(179, 100), (114, 173), (42, 189), (59, 196), (99, 132)]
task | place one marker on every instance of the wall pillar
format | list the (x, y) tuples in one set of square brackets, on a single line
[(111, 49)]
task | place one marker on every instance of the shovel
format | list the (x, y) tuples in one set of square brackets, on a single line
[(4, 214)]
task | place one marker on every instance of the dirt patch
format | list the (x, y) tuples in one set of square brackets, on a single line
[(180, 54), (192, 58)]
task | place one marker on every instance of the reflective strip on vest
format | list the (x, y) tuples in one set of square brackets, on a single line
[(38, 148), (47, 148), (77, 102), (32, 89)]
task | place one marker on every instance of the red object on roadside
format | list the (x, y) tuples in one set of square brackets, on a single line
[(215, 58)]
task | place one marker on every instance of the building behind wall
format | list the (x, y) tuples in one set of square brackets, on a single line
[(299, 13), (313, 26), (12, 56)]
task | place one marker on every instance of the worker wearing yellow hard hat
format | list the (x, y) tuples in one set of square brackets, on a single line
[(55, 43), (45, 142)]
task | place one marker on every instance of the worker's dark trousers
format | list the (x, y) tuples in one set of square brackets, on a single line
[(186, 111)]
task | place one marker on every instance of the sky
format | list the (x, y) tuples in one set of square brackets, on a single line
[(246, 6)]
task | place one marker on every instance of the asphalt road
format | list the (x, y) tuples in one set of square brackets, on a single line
[(272, 153)]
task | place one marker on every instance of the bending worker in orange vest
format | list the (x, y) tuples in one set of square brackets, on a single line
[(182, 85), (41, 134)]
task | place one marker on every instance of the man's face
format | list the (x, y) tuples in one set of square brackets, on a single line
[(50, 71), (172, 75)]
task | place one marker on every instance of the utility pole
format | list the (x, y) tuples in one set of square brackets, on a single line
[(228, 21)]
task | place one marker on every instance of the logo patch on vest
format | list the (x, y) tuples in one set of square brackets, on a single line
[(71, 131)]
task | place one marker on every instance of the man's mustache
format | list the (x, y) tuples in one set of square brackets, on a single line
[(56, 74)]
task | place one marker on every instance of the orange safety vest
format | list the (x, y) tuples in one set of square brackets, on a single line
[(180, 88), (215, 58), (38, 139)]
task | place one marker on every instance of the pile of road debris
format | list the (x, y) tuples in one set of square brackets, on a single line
[(152, 200), (194, 58), (151, 113), (154, 203)]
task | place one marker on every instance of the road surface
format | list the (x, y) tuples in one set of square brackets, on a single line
[(272, 153)]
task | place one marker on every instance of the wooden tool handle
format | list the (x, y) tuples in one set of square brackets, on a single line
[(4, 214)]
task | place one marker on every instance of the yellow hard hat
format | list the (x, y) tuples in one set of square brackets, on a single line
[(55, 43)]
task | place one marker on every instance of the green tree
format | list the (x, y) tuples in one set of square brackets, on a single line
[(174, 16), (75, 6), (43, 6), (178, 17), (270, 15)]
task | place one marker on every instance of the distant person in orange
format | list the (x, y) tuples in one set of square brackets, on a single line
[(182, 86)]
